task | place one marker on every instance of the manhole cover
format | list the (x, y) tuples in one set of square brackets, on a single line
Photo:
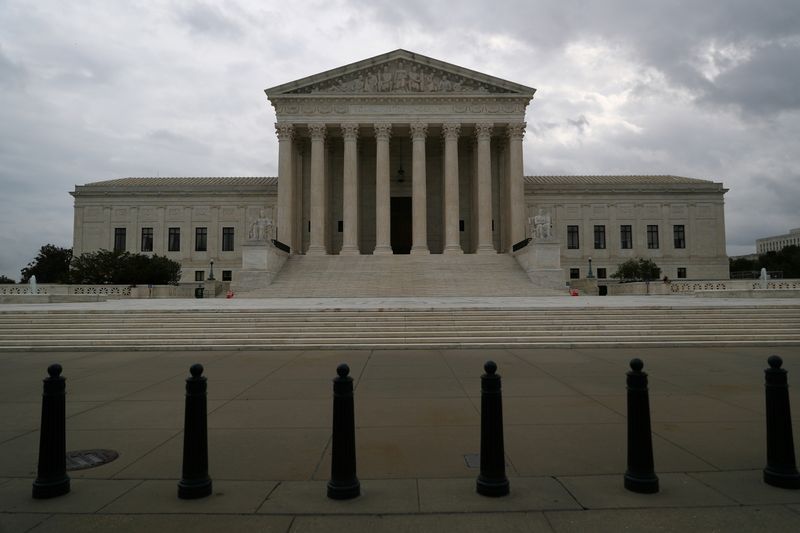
[(82, 459)]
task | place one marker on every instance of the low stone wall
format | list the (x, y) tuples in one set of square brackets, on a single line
[(730, 288)]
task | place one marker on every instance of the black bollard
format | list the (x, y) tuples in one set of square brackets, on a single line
[(195, 482), (640, 475), (52, 479), (492, 480), (781, 470), (344, 484)]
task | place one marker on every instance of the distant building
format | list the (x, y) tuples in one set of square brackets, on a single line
[(778, 242)]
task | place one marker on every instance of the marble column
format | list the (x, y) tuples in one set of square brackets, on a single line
[(383, 133), (318, 207), (483, 132), (286, 214), (419, 197), (516, 200), (350, 191), (452, 239)]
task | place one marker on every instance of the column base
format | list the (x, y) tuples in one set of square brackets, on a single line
[(485, 249), (316, 249), (420, 250), (383, 250), (349, 250), (453, 250)]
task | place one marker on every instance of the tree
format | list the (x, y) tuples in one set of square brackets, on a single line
[(5, 280), (786, 260), (637, 269), (105, 266), (51, 265)]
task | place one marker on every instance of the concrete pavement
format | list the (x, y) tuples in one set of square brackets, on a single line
[(417, 415)]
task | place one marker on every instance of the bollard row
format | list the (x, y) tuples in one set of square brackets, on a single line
[(52, 479)]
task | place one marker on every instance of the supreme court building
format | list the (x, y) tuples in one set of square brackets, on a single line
[(399, 154)]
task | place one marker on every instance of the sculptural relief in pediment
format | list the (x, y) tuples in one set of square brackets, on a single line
[(400, 76)]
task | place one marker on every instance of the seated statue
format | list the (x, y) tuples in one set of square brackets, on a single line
[(261, 228)]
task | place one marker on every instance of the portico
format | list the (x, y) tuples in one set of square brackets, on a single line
[(357, 143)]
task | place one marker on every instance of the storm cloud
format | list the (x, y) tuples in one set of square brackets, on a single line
[(98, 90)]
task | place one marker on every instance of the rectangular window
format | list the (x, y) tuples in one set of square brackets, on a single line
[(227, 275), (119, 239), (601, 273), (626, 237), (200, 239), (199, 275), (681, 272), (600, 237), (574, 273), (227, 239), (679, 234), (573, 242), (652, 236), (340, 226), (147, 239), (460, 225), (174, 242)]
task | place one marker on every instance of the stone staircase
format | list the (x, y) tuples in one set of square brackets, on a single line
[(334, 276), (261, 329)]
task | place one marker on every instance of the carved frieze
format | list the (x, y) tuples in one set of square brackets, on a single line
[(289, 107), (401, 76)]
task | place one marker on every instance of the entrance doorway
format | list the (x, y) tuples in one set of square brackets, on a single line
[(401, 224)]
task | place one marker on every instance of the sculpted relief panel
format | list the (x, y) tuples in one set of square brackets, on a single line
[(400, 77)]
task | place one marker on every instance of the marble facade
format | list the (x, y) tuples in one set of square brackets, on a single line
[(402, 153)]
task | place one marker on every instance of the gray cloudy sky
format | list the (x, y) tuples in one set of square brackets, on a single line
[(95, 90)]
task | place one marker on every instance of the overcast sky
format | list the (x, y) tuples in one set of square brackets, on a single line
[(98, 90)]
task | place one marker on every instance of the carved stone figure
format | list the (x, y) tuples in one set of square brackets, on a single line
[(400, 79), (414, 80), (542, 228), (371, 84), (430, 84), (261, 228), (386, 80)]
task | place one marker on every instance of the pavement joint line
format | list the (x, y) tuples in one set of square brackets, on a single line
[(99, 511), (147, 453)]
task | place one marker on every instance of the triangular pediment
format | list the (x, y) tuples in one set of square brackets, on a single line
[(400, 72)]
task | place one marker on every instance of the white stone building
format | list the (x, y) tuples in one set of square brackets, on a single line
[(400, 154), (778, 242)]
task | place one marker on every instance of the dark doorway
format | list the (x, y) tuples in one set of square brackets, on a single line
[(401, 224)]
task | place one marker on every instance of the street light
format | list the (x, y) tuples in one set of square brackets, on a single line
[(211, 272), (590, 275)]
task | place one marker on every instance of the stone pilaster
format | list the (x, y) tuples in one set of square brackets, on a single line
[(452, 244), (516, 200), (419, 208), (483, 133), (319, 210), (383, 133), (286, 193), (350, 190)]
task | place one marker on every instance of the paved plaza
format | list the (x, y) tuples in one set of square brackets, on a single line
[(417, 416)]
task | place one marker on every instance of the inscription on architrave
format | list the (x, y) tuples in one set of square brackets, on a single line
[(399, 109)]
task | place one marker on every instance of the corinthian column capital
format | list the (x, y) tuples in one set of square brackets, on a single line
[(317, 131), (483, 130), (516, 130), (350, 131), (451, 130), (383, 131), (285, 131), (419, 130)]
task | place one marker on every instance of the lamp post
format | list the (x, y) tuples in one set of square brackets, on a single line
[(211, 271), (590, 275)]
